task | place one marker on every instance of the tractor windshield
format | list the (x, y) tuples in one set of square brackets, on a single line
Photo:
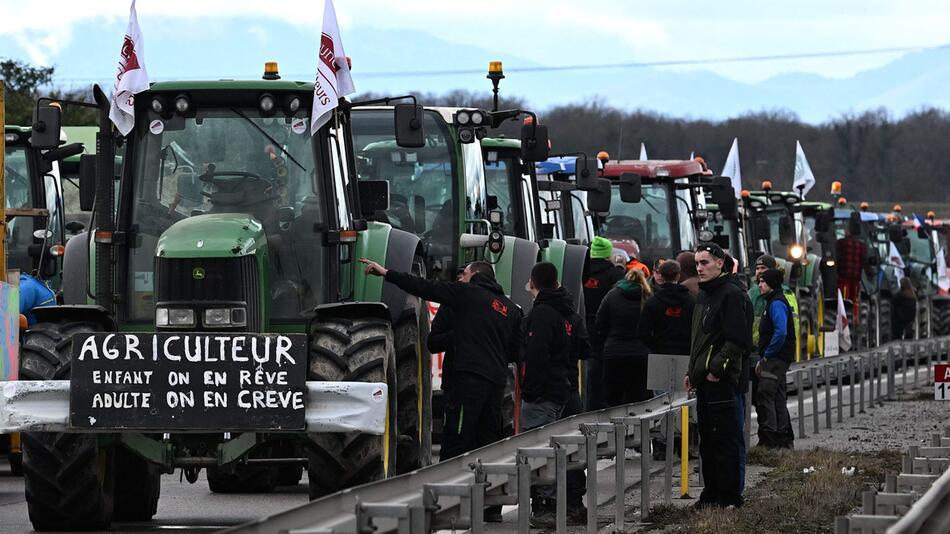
[(18, 195), (230, 161), (504, 181), (647, 222), (420, 179)]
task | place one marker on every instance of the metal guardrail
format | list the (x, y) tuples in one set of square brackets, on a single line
[(916, 501), (453, 493)]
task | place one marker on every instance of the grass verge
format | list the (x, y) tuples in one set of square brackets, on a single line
[(789, 500)]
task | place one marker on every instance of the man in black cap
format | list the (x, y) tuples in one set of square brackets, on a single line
[(721, 339), (776, 352)]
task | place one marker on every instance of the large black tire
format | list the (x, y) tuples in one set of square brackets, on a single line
[(414, 387), (68, 480), (941, 315), (138, 485), (16, 463), (352, 350)]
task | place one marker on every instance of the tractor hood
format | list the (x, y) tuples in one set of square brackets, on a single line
[(217, 235)]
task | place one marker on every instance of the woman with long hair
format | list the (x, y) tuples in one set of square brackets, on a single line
[(624, 353)]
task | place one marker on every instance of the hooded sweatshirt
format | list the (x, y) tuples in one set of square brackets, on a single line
[(618, 321), (486, 325), (667, 319), (603, 276), (552, 336), (721, 333)]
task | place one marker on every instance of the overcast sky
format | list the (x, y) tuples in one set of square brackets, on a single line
[(557, 32)]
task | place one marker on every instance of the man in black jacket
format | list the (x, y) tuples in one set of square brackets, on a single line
[(776, 353), (485, 337), (721, 336), (553, 338), (667, 319), (602, 276)]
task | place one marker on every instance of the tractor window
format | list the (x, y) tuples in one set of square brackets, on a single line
[(421, 180), (231, 161), (503, 180), (647, 222), (18, 195)]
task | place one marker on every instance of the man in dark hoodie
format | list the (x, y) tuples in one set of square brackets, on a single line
[(554, 336), (603, 275), (721, 336), (666, 323), (485, 337)]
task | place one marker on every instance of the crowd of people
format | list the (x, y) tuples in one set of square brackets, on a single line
[(692, 305)]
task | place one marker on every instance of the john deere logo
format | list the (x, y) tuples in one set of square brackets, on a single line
[(198, 273)]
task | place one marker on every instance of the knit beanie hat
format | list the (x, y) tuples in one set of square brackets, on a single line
[(773, 277), (766, 260), (601, 247)]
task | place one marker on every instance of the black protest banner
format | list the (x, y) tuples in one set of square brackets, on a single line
[(188, 381)]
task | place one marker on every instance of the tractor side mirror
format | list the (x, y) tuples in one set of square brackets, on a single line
[(47, 121), (761, 227), (786, 230), (722, 194), (586, 172), (63, 152), (631, 187), (854, 224), (534, 143), (409, 132), (822, 221), (374, 196), (87, 181), (598, 200), (722, 240)]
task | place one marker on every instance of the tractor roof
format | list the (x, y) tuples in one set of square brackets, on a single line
[(232, 85), (654, 168)]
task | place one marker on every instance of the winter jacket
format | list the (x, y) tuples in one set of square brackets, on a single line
[(618, 321), (486, 324), (721, 332), (550, 348), (777, 329), (905, 311), (603, 276), (667, 320)]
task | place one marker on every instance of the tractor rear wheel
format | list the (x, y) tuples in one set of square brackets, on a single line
[(352, 350), (884, 312), (414, 383), (68, 479), (941, 315)]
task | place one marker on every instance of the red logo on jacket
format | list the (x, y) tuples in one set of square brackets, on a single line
[(499, 307), (591, 283), (568, 328), (675, 312)]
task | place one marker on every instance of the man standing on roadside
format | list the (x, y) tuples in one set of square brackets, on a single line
[(776, 353), (720, 342)]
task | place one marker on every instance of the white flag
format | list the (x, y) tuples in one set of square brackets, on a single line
[(894, 258), (731, 168), (643, 152), (804, 179), (943, 278), (333, 72), (844, 330), (131, 77)]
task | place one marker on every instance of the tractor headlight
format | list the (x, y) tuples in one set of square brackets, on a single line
[(478, 118), (796, 251), (174, 317), (463, 118), (225, 317), (182, 104)]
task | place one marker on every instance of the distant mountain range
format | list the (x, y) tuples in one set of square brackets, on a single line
[(238, 47)]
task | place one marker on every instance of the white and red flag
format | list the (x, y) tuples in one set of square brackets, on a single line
[(844, 329), (131, 77), (333, 72)]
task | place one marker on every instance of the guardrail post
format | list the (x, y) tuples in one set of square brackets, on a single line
[(590, 450), (814, 396), (842, 524), (890, 483), (826, 373), (840, 383), (891, 387), (867, 502), (670, 436), (916, 353), (801, 403), (560, 487), (620, 434), (861, 375), (851, 375), (524, 493), (645, 458)]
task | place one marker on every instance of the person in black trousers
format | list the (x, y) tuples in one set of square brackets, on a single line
[(482, 336), (721, 340), (776, 354), (624, 354), (603, 274)]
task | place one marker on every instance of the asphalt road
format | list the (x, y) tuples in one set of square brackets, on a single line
[(183, 507)]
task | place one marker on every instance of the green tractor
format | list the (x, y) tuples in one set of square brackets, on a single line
[(224, 322)]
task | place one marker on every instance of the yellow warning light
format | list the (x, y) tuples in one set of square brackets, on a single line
[(494, 67), (745, 193), (864, 206), (270, 71), (836, 187), (898, 208), (931, 215), (603, 156)]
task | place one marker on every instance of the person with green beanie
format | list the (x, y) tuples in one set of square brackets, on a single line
[(602, 275)]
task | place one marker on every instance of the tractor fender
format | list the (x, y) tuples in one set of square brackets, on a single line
[(76, 269), (401, 251), (86, 313), (350, 310), (576, 259)]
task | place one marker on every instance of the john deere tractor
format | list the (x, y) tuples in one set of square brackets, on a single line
[(218, 318)]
